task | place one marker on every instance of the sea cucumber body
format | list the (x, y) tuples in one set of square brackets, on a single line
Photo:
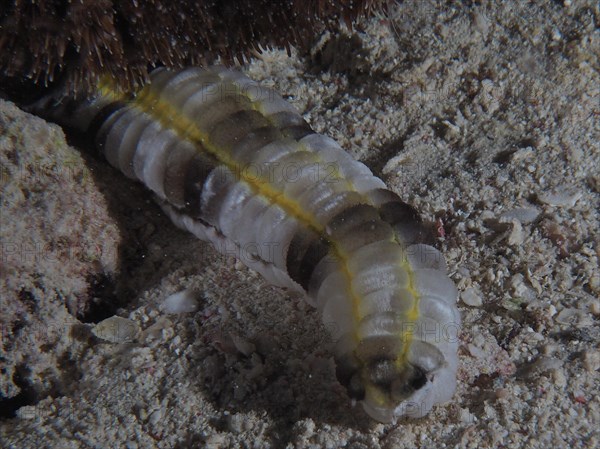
[(235, 164)]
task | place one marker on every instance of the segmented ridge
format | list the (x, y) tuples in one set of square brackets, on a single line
[(216, 146)]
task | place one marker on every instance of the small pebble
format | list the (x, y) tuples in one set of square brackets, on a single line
[(556, 34), (116, 329), (540, 365), (481, 22), (466, 417), (574, 317), (520, 289), (235, 423), (522, 154), (562, 197), (215, 440), (181, 302), (155, 417), (559, 378), (591, 360), (476, 352), (516, 235), (502, 393), (243, 345), (525, 215), (471, 298)]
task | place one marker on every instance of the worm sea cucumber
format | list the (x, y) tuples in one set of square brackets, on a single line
[(235, 164)]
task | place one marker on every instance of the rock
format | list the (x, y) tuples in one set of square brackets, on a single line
[(58, 244)]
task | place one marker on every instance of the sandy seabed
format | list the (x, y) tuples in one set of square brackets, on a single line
[(485, 117)]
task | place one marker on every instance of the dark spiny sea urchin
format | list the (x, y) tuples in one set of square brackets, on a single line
[(76, 41)]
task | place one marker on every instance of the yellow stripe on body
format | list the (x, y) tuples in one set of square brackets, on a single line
[(169, 117)]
